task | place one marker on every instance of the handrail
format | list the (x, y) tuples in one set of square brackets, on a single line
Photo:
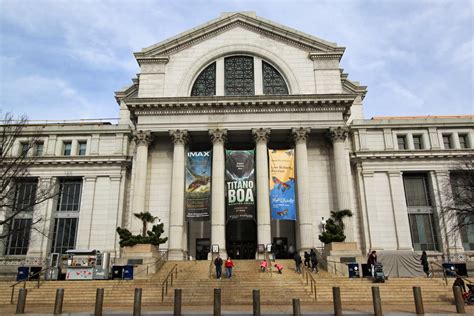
[(27, 279), (307, 272), (161, 260), (445, 278), (210, 265), (325, 264), (164, 284)]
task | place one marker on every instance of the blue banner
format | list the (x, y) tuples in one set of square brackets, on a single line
[(282, 184)]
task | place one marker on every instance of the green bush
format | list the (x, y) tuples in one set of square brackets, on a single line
[(153, 237), (334, 228)]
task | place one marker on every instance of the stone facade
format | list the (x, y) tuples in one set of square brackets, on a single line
[(343, 161)]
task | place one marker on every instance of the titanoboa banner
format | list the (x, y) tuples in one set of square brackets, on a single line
[(282, 184), (240, 184), (198, 185)]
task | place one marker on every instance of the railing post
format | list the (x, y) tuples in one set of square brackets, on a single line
[(420, 310), (458, 300), (58, 302), (20, 304), (177, 302), (315, 297), (99, 302), (336, 295), (307, 279), (296, 307), (256, 302), (137, 302), (166, 287), (162, 293), (217, 302), (172, 279), (376, 301)]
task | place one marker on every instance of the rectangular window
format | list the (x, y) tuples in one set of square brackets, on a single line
[(67, 146), (69, 195), (467, 233), (463, 141), (416, 190), (64, 234), (19, 237), (24, 149), (25, 194), (39, 146), (422, 231), (402, 142), (417, 142), (447, 141), (82, 146)]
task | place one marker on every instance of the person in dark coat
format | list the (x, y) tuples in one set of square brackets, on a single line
[(306, 259), (298, 262), (425, 264), (314, 261), (218, 263), (371, 261)]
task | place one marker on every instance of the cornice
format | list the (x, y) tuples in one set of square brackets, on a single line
[(411, 154), (79, 161), (153, 60), (325, 55)]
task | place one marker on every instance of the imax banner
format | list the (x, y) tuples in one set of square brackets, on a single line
[(198, 185), (282, 184), (240, 184)]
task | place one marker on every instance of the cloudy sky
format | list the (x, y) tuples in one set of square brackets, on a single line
[(64, 59)]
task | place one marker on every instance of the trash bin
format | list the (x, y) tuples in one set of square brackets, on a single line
[(461, 269), (34, 273), (354, 270), (23, 273), (117, 272), (366, 271), (128, 272), (449, 269)]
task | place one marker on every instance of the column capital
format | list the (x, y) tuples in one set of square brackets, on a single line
[(338, 134), (179, 136), (261, 134), (300, 134), (218, 135), (142, 137)]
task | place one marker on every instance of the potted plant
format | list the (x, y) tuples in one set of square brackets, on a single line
[(334, 228)]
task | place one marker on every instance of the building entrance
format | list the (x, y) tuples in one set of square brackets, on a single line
[(241, 239)]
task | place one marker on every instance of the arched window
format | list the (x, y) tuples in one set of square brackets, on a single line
[(205, 84), (238, 76), (273, 82)]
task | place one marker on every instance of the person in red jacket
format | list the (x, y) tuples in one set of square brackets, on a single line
[(228, 266)]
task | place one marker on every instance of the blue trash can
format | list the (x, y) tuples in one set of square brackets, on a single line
[(128, 272), (23, 273), (354, 270), (450, 269), (117, 272)]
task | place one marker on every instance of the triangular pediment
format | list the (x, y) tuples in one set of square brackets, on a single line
[(247, 20)]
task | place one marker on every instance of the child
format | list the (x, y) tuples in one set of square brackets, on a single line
[(279, 267), (263, 265)]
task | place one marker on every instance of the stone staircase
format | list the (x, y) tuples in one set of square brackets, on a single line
[(197, 288)]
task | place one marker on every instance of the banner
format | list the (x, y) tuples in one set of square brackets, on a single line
[(240, 184), (198, 185), (282, 184)]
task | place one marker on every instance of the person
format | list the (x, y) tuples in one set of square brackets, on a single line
[(228, 266), (306, 259), (279, 267), (263, 265), (298, 262), (371, 261), (291, 252), (424, 263), (273, 252), (218, 264), (314, 260), (460, 282)]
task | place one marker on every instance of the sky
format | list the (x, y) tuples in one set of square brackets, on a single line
[(63, 60)]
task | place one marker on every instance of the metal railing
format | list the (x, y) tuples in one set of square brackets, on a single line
[(169, 277), (36, 276), (159, 262), (310, 278), (443, 270), (325, 264)]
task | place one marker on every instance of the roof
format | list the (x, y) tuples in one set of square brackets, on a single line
[(420, 117)]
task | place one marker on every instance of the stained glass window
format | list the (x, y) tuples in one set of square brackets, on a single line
[(273, 82), (238, 76), (205, 83)]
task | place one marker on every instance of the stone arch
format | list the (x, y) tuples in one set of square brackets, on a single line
[(189, 77)]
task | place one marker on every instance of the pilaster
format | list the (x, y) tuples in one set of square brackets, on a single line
[(400, 211), (86, 213)]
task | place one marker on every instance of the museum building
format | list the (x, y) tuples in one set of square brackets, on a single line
[(201, 132)]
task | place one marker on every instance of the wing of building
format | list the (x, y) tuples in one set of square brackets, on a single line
[(201, 142)]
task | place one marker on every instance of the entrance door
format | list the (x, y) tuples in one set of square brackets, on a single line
[(241, 239), (280, 247), (203, 246)]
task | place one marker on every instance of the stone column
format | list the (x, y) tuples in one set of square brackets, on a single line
[(142, 140), (264, 233), (303, 191), (86, 215), (338, 137), (218, 137), (176, 249)]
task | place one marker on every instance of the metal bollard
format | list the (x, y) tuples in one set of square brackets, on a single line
[(376, 301), (458, 300), (58, 302), (336, 295), (20, 304), (217, 302), (99, 302), (296, 307), (256, 302), (420, 310), (177, 302), (137, 302)]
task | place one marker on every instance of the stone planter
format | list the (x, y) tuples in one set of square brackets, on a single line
[(338, 254), (142, 256)]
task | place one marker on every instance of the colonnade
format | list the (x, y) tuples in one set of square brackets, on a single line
[(261, 136)]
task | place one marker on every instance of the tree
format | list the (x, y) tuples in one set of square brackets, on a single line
[(146, 218), (153, 238), (19, 150), (458, 197), (334, 228)]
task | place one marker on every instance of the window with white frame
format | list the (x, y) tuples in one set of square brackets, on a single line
[(67, 148), (463, 197), (463, 141), (81, 148), (39, 147), (447, 141), (18, 237), (417, 141), (402, 142)]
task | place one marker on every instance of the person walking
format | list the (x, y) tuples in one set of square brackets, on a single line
[(228, 267), (298, 262), (306, 258), (425, 264), (371, 261), (218, 263), (314, 260)]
